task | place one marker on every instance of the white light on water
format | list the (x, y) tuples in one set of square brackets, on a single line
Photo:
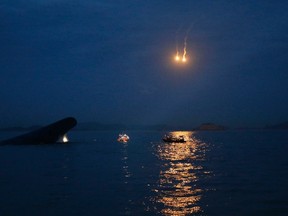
[(65, 139)]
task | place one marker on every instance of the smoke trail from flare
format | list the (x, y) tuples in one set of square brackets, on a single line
[(184, 50), (184, 59)]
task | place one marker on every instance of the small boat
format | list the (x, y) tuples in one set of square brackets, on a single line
[(123, 138), (176, 139)]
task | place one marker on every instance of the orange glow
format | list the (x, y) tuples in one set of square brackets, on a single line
[(123, 138), (177, 58), (180, 59)]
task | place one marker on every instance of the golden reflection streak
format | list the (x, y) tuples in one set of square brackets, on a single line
[(178, 192)]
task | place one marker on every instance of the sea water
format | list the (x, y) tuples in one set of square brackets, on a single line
[(214, 173)]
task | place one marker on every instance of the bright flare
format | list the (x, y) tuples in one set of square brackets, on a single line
[(182, 59), (177, 58)]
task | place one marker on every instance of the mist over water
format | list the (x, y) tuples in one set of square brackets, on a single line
[(214, 173)]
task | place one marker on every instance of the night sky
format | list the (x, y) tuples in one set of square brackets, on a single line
[(112, 62)]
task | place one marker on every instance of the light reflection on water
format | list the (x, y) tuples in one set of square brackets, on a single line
[(127, 173), (178, 192)]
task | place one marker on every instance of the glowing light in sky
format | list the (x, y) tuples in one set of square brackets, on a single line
[(177, 58), (184, 58)]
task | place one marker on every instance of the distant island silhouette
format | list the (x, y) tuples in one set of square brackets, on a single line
[(280, 126), (158, 127), (210, 127)]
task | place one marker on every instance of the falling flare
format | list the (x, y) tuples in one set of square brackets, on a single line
[(184, 59), (177, 58)]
